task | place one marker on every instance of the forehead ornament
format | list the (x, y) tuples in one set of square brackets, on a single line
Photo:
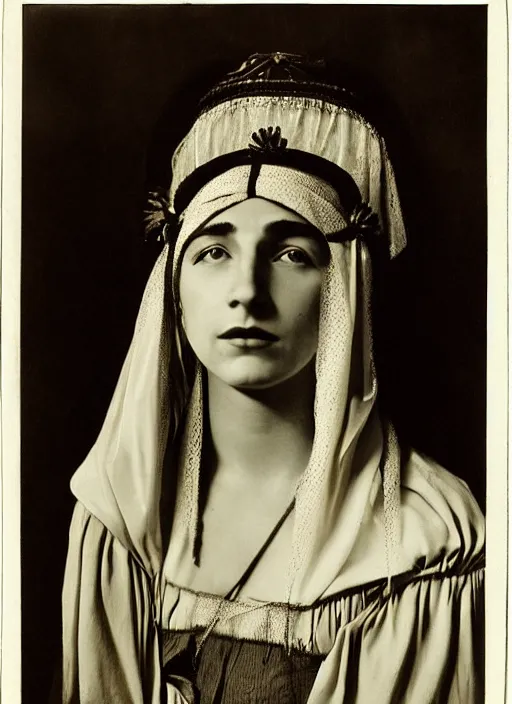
[(268, 140)]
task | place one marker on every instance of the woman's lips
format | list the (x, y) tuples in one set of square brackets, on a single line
[(249, 338), (251, 333), (251, 343)]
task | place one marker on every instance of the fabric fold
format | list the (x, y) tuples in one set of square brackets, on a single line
[(110, 637)]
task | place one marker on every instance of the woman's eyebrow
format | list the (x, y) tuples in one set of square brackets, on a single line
[(216, 229), (277, 230), (282, 229)]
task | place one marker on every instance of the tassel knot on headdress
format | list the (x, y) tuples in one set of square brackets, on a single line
[(158, 217), (363, 224)]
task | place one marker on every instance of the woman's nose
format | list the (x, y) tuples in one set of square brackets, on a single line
[(249, 285)]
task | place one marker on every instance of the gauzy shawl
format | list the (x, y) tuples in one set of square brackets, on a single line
[(364, 515)]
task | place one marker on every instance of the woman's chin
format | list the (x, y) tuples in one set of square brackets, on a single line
[(247, 374), (254, 382), (253, 375)]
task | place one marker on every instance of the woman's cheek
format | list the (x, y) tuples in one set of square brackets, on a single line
[(309, 306), (199, 322)]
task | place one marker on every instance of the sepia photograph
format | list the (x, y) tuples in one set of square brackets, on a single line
[(253, 353)]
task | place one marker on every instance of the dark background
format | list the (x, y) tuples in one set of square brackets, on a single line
[(95, 80)]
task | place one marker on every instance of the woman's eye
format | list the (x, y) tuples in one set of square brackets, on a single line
[(214, 254), (294, 256)]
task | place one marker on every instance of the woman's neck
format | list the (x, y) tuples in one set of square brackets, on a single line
[(265, 433)]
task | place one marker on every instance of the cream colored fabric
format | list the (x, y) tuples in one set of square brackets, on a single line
[(422, 646), (119, 481), (110, 639), (443, 535), (418, 646), (309, 125)]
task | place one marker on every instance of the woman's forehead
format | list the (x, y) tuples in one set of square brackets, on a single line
[(256, 210), (267, 218)]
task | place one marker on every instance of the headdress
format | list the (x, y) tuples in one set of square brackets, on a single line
[(303, 123), (273, 129)]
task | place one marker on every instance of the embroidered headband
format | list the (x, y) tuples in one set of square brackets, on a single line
[(268, 147)]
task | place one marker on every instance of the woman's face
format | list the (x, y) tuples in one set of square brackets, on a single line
[(250, 292)]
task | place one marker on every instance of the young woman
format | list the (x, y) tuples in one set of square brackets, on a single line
[(247, 528)]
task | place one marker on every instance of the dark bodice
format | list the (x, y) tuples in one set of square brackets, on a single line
[(232, 671)]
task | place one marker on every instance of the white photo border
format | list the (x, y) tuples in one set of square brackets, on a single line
[(499, 320)]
